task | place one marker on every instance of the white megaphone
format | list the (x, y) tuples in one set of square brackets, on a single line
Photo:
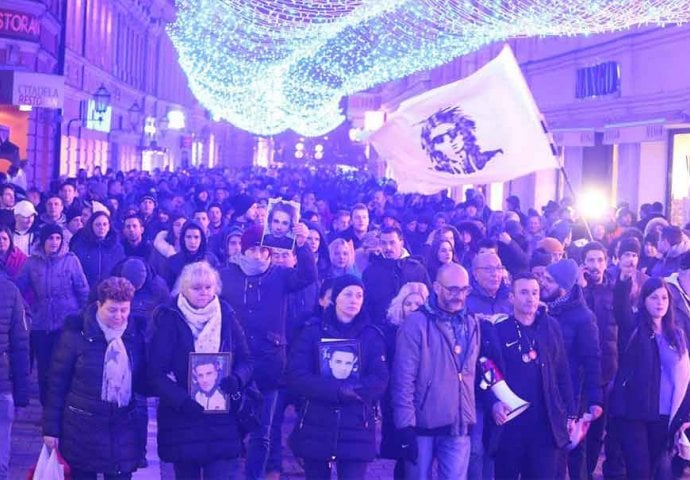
[(493, 378)]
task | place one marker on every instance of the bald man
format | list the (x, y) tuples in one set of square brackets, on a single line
[(433, 380)]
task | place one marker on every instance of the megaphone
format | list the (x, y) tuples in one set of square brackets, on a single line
[(493, 378)]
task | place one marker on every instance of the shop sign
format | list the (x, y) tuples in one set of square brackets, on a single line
[(19, 25), (32, 89)]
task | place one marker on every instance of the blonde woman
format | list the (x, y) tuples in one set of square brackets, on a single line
[(411, 296), (342, 255)]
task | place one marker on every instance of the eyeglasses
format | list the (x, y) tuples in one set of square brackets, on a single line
[(498, 269), (456, 291)]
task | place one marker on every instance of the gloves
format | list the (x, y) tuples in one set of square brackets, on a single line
[(347, 393), (230, 384), (408, 443), (191, 408)]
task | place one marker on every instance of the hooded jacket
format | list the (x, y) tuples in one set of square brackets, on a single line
[(14, 344), (55, 287), (97, 256), (330, 427), (671, 261), (177, 262)]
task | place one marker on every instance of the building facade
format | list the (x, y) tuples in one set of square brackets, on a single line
[(123, 99), (618, 106)]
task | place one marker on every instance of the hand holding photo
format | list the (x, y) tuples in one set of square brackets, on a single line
[(278, 229)]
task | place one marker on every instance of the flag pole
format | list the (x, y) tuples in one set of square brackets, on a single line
[(558, 155)]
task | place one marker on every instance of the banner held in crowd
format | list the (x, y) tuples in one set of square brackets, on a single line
[(484, 128)]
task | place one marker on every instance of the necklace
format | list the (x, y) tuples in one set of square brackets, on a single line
[(529, 351)]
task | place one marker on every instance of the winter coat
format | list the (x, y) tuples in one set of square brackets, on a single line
[(97, 256), (95, 435), (383, 279), (553, 364), (55, 286), (426, 390), (480, 302), (581, 340), (680, 302), (13, 262), (201, 438), (330, 427), (636, 390), (261, 305), (184, 257), (671, 261), (599, 299), (14, 344)]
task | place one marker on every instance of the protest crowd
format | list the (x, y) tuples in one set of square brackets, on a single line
[(520, 343)]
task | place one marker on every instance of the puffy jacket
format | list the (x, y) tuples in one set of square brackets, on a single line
[(383, 279), (581, 340), (201, 438), (13, 262), (55, 287), (95, 436), (479, 301), (599, 299), (97, 256), (426, 391), (14, 344), (329, 427), (671, 261), (261, 305)]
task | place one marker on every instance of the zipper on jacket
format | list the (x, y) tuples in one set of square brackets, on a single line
[(304, 414), (426, 395), (336, 434), (79, 411)]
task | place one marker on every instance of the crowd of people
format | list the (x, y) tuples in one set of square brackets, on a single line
[(489, 344)]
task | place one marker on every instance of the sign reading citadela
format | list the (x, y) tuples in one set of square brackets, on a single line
[(34, 89)]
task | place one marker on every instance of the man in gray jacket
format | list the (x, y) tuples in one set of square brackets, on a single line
[(433, 380)]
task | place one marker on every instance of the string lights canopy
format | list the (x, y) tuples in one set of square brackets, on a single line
[(271, 65)]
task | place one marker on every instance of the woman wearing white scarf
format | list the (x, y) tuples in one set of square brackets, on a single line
[(196, 321), (97, 364)]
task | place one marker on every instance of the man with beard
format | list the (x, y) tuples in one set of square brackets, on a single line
[(566, 304)]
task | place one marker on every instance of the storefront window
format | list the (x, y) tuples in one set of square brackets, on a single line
[(680, 179)]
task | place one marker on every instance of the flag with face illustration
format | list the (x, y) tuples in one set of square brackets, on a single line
[(484, 128)]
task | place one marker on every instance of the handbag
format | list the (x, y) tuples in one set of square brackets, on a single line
[(247, 406)]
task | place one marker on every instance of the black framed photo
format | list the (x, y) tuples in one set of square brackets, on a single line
[(205, 372), (339, 359)]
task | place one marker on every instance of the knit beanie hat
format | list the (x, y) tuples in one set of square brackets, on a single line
[(251, 237), (564, 272), (134, 270), (550, 245), (342, 282), (48, 230), (241, 203), (629, 244)]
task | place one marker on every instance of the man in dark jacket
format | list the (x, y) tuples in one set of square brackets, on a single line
[(598, 294), (258, 293), (14, 366), (581, 338), (487, 300), (360, 226), (432, 385), (133, 239), (387, 272), (536, 368)]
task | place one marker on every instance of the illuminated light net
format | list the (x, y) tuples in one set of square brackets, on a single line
[(271, 65)]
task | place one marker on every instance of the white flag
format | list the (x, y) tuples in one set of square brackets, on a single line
[(481, 129)]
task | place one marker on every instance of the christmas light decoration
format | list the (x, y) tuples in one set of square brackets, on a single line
[(271, 65)]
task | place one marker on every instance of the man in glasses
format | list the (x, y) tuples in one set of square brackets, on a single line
[(433, 380), (487, 301)]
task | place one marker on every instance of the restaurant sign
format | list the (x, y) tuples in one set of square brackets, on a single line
[(32, 89), (19, 25)]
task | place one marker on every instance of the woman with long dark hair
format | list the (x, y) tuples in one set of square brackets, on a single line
[(652, 378)]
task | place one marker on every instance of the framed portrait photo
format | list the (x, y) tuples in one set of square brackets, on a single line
[(282, 216), (339, 359), (205, 372)]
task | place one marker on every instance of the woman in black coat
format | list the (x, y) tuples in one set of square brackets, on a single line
[(197, 321), (339, 384), (193, 248), (97, 248), (97, 366)]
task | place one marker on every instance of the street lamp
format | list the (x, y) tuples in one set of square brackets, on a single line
[(101, 101), (134, 115)]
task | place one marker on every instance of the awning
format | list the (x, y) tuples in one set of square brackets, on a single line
[(33, 89)]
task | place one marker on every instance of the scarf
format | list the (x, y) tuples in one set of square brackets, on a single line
[(252, 266), (204, 323), (116, 386)]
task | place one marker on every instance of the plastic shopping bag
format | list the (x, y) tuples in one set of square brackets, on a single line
[(50, 466)]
